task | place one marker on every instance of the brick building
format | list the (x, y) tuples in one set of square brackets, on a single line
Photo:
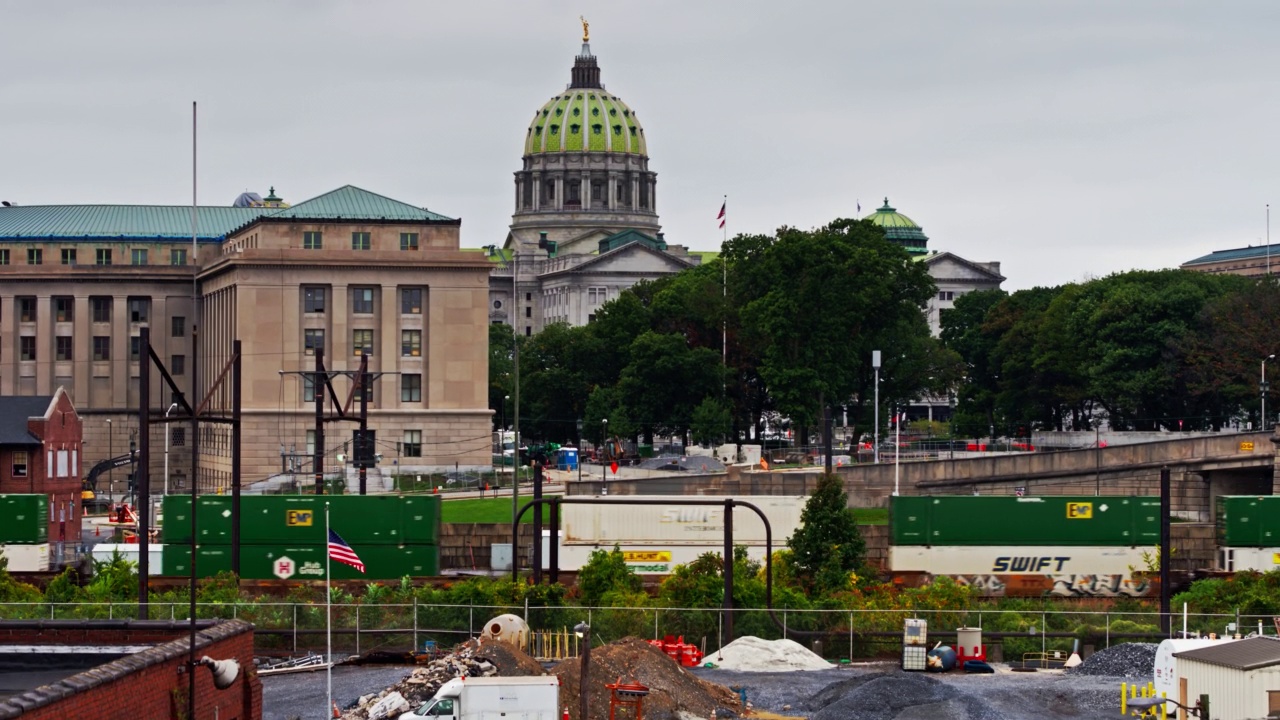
[(40, 452)]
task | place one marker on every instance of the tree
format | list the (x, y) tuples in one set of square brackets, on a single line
[(665, 381), (711, 421), (827, 548), (606, 572), (501, 365)]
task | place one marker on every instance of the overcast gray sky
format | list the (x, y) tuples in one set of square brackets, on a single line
[(1065, 139)]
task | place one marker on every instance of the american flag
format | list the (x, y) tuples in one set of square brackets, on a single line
[(720, 217), (339, 550)]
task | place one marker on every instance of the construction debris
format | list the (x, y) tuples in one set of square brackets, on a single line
[(1130, 660), (475, 658), (674, 692)]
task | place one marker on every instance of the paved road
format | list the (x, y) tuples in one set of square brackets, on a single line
[(302, 695)]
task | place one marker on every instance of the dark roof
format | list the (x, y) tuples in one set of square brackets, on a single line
[(14, 413), (1248, 654), (104, 223)]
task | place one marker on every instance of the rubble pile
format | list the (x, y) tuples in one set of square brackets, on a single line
[(674, 692), (474, 658)]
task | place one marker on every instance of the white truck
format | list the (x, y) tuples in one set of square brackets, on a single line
[(493, 698)]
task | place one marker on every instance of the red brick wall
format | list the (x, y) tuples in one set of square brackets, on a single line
[(157, 692), (63, 431)]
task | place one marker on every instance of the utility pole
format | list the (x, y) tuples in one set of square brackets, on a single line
[(875, 364), (364, 453), (317, 386)]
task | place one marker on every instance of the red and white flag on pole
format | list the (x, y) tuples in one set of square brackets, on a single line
[(720, 217)]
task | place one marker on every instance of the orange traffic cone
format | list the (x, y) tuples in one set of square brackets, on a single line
[(436, 490), (566, 714), (97, 531), (336, 713)]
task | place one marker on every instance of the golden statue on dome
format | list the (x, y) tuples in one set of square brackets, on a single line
[(586, 29)]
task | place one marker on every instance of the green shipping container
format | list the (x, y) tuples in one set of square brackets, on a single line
[(1248, 520), (24, 519), (421, 519), (1012, 521), (213, 519), (305, 562), (299, 519)]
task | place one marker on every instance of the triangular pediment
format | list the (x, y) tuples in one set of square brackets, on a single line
[(949, 265), (635, 258)]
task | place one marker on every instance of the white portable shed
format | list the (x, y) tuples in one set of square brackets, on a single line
[(1242, 678)]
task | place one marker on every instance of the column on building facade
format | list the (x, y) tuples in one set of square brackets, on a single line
[(44, 343), (635, 193), (387, 340), (340, 327), (8, 343), (585, 195), (612, 191), (559, 181), (120, 352), (537, 191), (82, 339)]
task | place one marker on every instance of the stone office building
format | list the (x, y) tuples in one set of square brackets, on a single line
[(350, 271)]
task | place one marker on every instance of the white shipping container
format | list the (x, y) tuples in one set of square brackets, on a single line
[(27, 558), (984, 560), (648, 559), (1236, 559), (680, 524), (103, 552)]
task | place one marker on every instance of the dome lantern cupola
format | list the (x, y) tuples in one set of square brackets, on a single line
[(900, 229)]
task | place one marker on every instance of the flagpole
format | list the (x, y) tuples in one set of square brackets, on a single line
[(724, 289), (328, 617), (897, 449)]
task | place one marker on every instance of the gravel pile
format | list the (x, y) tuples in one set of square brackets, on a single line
[(884, 696), (674, 692), (1128, 660), (752, 654), (475, 658)]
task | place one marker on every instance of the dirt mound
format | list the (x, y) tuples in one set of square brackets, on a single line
[(1130, 660), (510, 660), (672, 689), (898, 695)]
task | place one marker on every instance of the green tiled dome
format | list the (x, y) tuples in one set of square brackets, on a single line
[(899, 228), (585, 119)]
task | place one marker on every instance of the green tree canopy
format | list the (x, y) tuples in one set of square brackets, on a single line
[(827, 548)]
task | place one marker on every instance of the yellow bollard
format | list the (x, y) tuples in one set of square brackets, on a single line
[(1124, 697), (1164, 712)]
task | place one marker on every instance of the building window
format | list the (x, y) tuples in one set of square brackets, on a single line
[(138, 256), (362, 301), (62, 348), (528, 312), (309, 395), (101, 347), (177, 326), (410, 388), (412, 444), (64, 309), (360, 241), (101, 307), (18, 467), (102, 256), (26, 348), (4, 256), (139, 310), (597, 295), (312, 340), (311, 442), (177, 256), (362, 388), (135, 348), (410, 301), (312, 241), (408, 241), (361, 342), (177, 365), (35, 256), (313, 299), (411, 343), (68, 256), (26, 309), (946, 295)]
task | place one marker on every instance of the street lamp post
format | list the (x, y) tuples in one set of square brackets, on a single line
[(110, 454), (583, 630), (875, 364), (604, 434), (503, 429), (579, 449), (172, 407), (1263, 387)]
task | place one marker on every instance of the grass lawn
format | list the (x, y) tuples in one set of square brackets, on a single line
[(489, 510), (872, 516), (485, 510)]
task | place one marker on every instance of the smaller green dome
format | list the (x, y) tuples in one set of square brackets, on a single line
[(899, 228)]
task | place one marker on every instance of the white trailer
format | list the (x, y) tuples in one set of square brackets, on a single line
[(481, 698)]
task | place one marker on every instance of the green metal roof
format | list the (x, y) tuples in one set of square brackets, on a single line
[(352, 203), (628, 236), (1244, 253), (121, 222), (173, 222), (899, 228), (585, 119)]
